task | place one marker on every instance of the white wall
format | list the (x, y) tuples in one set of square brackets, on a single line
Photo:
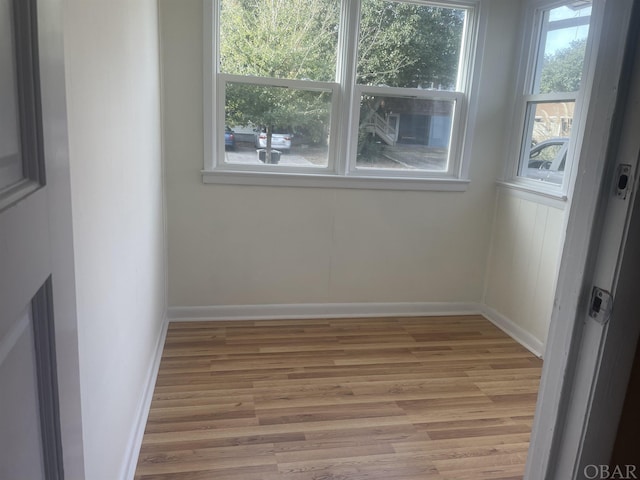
[(241, 245), (523, 259), (523, 262), (111, 51)]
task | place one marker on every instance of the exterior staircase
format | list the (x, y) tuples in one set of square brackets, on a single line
[(376, 123)]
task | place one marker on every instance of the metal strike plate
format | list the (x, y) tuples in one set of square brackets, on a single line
[(623, 181), (601, 305)]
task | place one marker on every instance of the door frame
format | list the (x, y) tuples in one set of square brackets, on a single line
[(565, 420), (58, 191)]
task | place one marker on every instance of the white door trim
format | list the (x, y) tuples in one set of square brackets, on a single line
[(56, 152), (606, 351), (551, 433)]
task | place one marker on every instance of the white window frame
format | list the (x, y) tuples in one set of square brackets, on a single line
[(529, 75), (331, 87), (454, 141), (341, 170)]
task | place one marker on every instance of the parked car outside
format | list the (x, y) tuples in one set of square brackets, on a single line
[(547, 160), (229, 139), (280, 140)]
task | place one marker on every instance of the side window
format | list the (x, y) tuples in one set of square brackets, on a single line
[(551, 100)]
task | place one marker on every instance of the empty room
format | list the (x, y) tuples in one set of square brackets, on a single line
[(317, 240)]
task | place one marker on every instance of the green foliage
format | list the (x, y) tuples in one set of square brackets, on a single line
[(301, 112), (562, 71), (409, 45), (369, 147), (400, 44), (295, 39)]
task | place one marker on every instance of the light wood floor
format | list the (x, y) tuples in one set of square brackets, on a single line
[(355, 399)]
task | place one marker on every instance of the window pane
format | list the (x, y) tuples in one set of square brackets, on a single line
[(294, 39), (294, 121), (404, 133), (10, 157), (576, 9), (409, 45), (563, 50), (548, 131)]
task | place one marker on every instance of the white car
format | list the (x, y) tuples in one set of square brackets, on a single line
[(279, 140), (547, 160)]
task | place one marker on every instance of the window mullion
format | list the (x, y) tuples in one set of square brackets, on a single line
[(551, 97), (567, 23), (277, 82), (346, 77), (354, 127), (210, 96)]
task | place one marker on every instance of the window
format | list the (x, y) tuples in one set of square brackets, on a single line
[(369, 89), (551, 101)]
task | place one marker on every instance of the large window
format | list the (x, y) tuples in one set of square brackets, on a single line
[(551, 106), (337, 88)]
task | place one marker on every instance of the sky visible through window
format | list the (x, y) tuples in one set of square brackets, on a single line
[(560, 38)]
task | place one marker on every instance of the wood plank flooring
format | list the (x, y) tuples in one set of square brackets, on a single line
[(349, 399)]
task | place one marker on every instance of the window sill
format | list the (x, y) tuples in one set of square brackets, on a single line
[(334, 181), (547, 196)]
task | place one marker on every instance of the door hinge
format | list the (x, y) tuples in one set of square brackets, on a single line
[(601, 305), (623, 181)]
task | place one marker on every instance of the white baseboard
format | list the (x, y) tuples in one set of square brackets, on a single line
[(357, 310), (519, 334), (142, 412), (320, 310)]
